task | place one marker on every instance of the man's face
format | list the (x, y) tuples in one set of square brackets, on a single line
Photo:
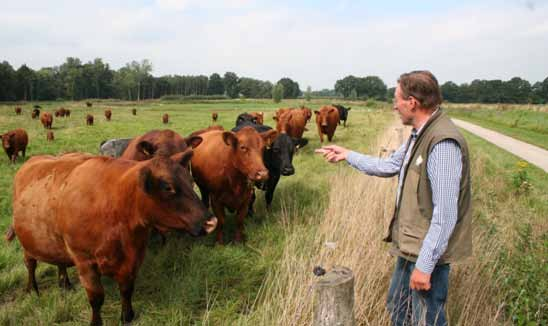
[(405, 107)]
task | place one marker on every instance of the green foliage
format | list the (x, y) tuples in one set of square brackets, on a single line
[(278, 93), (291, 88), (308, 94), (215, 85), (353, 95), (230, 82), (366, 87), (254, 88), (182, 98), (520, 178)]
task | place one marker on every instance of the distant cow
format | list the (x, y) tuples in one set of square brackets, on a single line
[(18, 111), (277, 159), (60, 113), (214, 117), (166, 141), (13, 142), (89, 120), (134, 111), (259, 117), (327, 119), (89, 104), (47, 120), (50, 136), (108, 114), (35, 113), (222, 167), (293, 122), (96, 213), (246, 118), (165, 118), (67, 113), (343, 113)]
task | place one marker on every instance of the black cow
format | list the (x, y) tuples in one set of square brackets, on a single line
[(343, 113), (246, 118), (277, 159)]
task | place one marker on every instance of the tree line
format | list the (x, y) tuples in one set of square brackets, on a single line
[(74, 80)]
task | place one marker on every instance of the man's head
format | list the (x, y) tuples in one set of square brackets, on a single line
[(417, 95)]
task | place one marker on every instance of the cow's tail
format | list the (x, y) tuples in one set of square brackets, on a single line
[(10, 234)]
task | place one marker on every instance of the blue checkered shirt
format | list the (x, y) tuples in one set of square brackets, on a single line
[(444, 168)]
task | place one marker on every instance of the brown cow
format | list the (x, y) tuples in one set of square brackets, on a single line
[(108, 114), (18, 111), (60, 113), (134, 111), (223, 166), (292, 122), (47, 120), (167, 141), (214, 117), (67, 113), (258, 116), (327, 120), (280, 112), (307, 113), (50, 136), (96, 213), (13, 142), (89, 120), (165, 118), (35, 113), (201, 131)]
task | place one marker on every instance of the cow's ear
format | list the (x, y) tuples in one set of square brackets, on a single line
[(332, 110), (275, 118), (230, 139), (261, 114), (316, 112), (193, 141), (183, 157), (146, 148), (269, 136), (146, 180)]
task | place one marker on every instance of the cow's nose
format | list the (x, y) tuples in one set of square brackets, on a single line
[(288, 171), (324, 124), (261, 175)]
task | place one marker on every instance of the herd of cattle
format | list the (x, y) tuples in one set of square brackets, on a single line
[(97, 212)]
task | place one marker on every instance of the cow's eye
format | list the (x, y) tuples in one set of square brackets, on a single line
[(243, 148), (166, 187)]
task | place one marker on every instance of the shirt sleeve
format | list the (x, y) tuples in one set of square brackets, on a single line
[(444, 168), (377, 166)]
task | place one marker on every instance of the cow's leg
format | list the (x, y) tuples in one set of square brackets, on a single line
[(241, 213), (31, 263), (329, 137), (63, 279), (344, 123), (251, 202), (91, 281), (126, 291), (205, 196), (269, 195), (219, 211)]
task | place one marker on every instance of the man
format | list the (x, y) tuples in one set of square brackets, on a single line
[(431, 225)]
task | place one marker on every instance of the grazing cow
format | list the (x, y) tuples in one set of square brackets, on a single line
[(224, 166), (47, 120), (108, 114), (89, 120), (18, 111), (214, 117), (165, 118), (259, 117), (13, 142), (35, 113), (67, 113), (343, 113), (89, 104), (166, 141), (50, 136), (327, 120), (277, 159), (96, 213), (134, 111)]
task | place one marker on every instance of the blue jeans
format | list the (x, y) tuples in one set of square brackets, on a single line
[(411, 307)]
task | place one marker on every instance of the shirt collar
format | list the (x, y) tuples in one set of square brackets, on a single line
[(415, 133)]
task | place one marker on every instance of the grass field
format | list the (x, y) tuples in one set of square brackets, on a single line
[(187, 281), (528, 123)]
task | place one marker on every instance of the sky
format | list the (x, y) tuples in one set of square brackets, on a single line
[(312, 42)]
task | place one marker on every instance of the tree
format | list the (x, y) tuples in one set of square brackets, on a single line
[(7, 82), (390, 94), (140, 72), (24, 77), (353, 95), (291, 88), (450, 91), (230, 82), (346, 85), (215, 85), (278, 93), (308, 94), (372, 87)]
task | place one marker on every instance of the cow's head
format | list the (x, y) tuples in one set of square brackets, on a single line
[(173, 204), (6, 139), (307, 113), (247, 147), (281, 153), (245, 118), (283, 120), (321, 117), (259, 117)]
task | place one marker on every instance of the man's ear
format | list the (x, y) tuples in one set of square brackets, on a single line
[(230, 139), (146, 148)]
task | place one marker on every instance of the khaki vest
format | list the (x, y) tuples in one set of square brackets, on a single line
[(412, 218)]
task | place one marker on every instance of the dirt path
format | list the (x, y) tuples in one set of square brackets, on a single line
[(533, 154)]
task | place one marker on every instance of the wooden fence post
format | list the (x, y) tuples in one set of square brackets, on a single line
[(334, 298)]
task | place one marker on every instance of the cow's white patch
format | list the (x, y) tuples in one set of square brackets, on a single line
[(419, 160)]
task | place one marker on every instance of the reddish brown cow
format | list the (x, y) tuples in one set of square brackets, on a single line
[(96, 213), (307, 113), (47, 120), (165, 118), (201, 131), (108, 114), (18, 111), (292, 122), (13, 142), (50, 136), (214, 117), (223, 166), (258, 116), (89, 120), (280, 112), (166, 141), (89, 104), (327, 120), (60, 113)]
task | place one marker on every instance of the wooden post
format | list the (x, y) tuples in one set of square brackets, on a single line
[(334, 298)]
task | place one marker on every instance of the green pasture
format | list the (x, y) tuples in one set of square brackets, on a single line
[(187, 281)]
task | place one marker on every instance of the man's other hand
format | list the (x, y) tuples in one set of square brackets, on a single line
[(333, 153), (419, 280)]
